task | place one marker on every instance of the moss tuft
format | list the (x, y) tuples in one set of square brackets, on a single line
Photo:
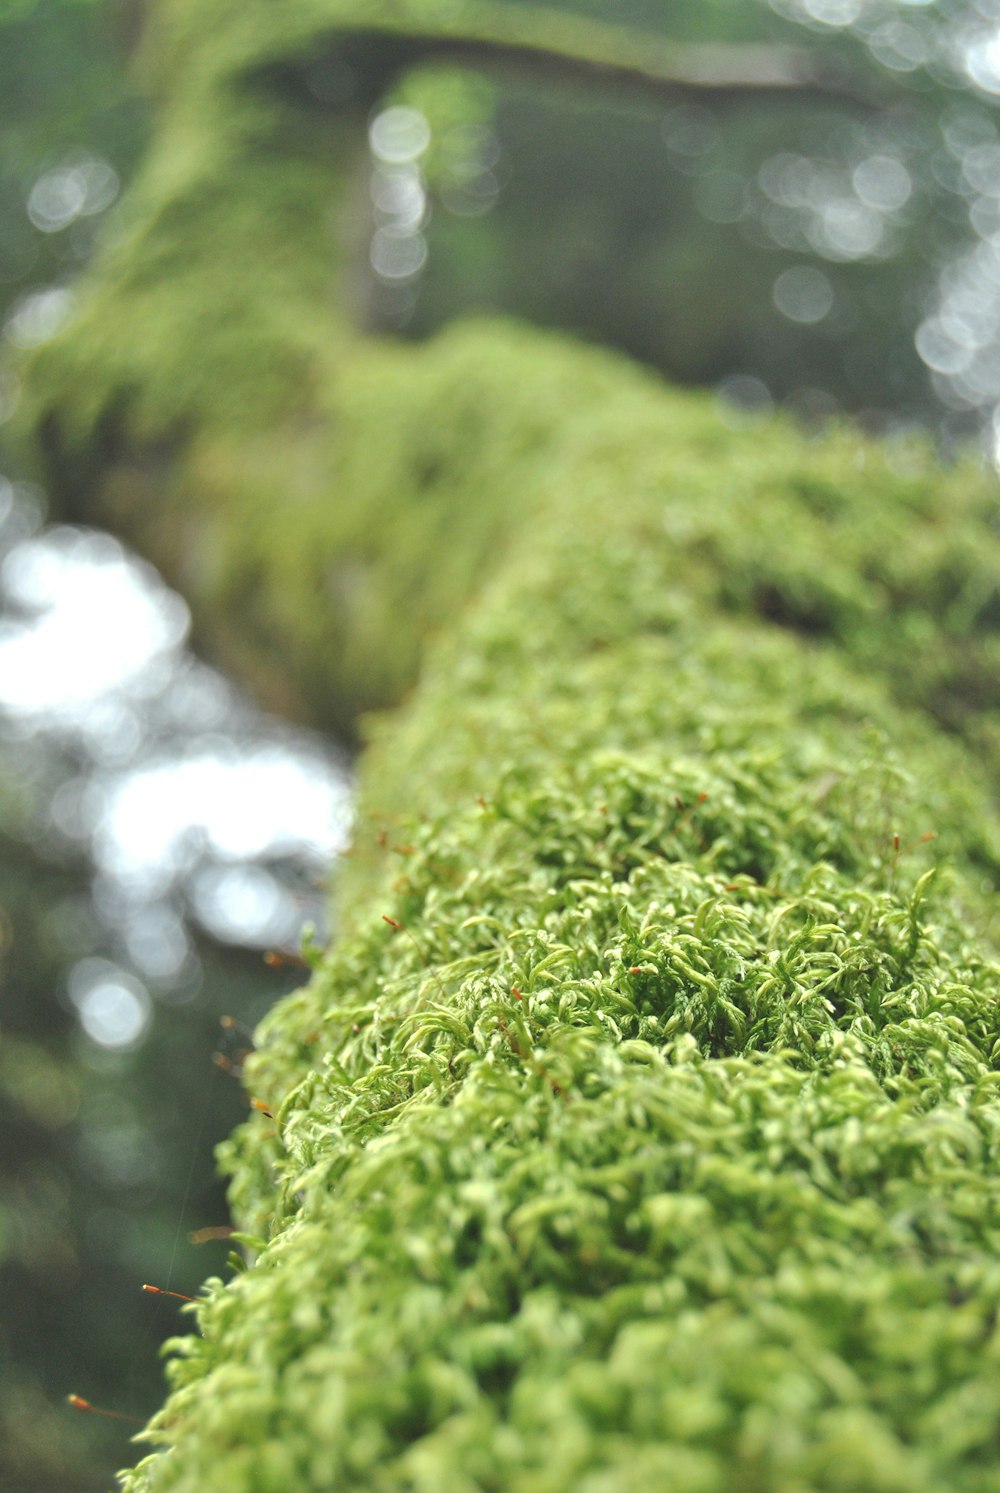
[(644, 1115)]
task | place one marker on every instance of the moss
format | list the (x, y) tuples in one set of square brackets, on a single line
[(210, 395), (654, 1134), (641, 1126)]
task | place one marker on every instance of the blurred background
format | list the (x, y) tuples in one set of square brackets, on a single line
[(157, 832)]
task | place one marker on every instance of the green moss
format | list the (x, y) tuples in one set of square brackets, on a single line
[(212, 403), (641, 1127), (517, 1293), (656, 1133)]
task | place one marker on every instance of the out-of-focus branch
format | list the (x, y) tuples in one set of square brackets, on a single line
[(574, 51), (712, 74)]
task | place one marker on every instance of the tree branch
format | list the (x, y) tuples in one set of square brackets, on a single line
[(710, 74), (571, 51)]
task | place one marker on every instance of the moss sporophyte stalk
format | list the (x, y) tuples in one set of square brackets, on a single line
[(640, 1128)]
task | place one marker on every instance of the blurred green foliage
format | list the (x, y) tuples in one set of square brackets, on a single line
[(216, 343), (105, 1161), (65, 94), (68, 1240)]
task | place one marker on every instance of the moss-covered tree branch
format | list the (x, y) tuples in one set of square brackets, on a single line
[(641, 1127), (213, 359), (657, 1049)]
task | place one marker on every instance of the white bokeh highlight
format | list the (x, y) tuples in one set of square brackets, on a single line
[(190, 803)]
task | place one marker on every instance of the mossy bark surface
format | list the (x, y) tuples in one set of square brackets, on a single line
[(642, 1124), (641, 1128)]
